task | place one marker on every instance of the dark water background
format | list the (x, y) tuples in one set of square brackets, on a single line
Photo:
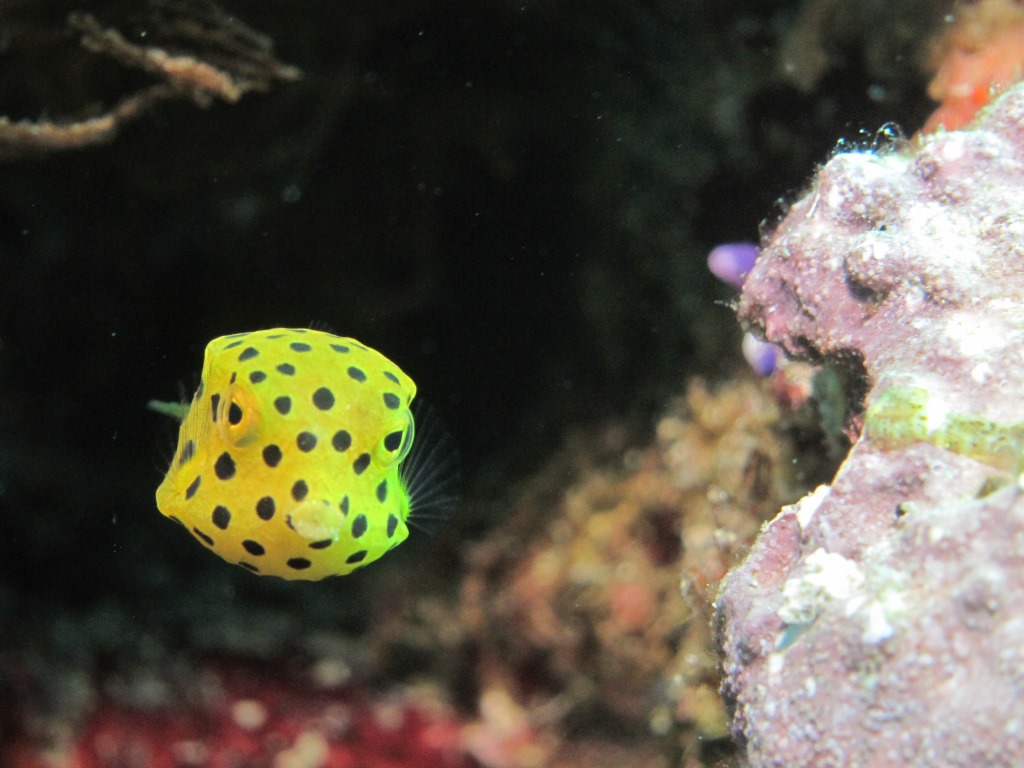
[(511, 200)]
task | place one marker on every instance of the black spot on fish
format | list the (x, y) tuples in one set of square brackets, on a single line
[(341, 441), (224, 467), (265, 508), (272, 455), (253, 547), (193, 487), (283, 404), (299, 490), (286, 368), (306, 441), (187, 452), (203, 536), (234, 414), (299, 563), (356, 557), (391, 400), (248, 354), (356, 374), (392, 525), (221, 517), (321, 544), (360, 464), (359, 526), (382, 491), (323, 399), (300, 346), (257, 377)]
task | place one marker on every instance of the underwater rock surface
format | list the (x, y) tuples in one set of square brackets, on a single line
[(880, 620)]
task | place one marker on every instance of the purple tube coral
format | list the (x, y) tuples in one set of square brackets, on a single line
[(732, 262), (880, 620)]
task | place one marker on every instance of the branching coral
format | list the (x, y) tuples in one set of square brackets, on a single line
[(198, 52)]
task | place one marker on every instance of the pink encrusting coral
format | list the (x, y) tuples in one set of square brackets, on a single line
[(880, 620)]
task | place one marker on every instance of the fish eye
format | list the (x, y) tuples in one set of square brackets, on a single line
[(396, 444), (394, 440), (239, 416)]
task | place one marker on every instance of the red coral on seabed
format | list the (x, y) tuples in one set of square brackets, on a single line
[(248, 718)]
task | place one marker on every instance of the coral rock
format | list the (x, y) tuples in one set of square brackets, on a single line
[(878, 622)]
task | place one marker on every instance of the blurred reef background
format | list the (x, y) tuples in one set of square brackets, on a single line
[(513, 201)]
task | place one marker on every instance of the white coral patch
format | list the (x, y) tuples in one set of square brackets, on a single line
[(947, 241), (981, 372), (808, 505), (824, 578), (803, 509), (975, 334), (878, 628), (935, 412), (953, 147), (879, 613), (853, 176)]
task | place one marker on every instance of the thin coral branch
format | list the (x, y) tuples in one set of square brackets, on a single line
[(33, 137), (205, 55)]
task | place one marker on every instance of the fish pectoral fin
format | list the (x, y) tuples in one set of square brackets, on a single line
[(175, 410), (316, 520)]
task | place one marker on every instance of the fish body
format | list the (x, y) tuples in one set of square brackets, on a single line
[(288, 460)]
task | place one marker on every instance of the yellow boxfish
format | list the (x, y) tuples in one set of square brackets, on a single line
[(290, 456)]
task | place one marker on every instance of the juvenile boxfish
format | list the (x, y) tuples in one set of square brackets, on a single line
[(290, 456)]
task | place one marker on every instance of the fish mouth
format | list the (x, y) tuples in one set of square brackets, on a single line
[(316, 520)]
